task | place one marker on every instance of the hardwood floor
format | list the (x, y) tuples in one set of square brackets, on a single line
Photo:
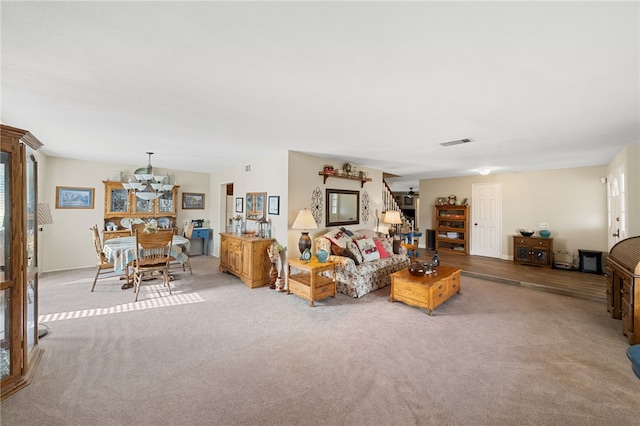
[(567, 282)]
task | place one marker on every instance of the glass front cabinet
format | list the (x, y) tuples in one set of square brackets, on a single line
[(19, 350)]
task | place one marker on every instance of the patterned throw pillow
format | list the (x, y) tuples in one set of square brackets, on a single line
[(338, 237), (368, 249), (383, 252), (387, 243), (353, 247)]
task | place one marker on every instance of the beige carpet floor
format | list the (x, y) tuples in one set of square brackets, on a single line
[(219, 353)]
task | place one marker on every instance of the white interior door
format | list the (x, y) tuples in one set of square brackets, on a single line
[(486, 219), (617, 217)]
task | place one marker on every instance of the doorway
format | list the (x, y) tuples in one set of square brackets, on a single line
[(616, 215), (486, 219)]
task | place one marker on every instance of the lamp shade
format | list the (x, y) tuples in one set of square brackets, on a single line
[(304, 220), (44, 214), (392, 217)]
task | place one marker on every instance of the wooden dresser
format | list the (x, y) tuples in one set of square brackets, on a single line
[(623, 286), (246, 257), (536, 251)]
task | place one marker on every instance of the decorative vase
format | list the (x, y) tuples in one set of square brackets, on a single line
[(417, 268), (436, 260), (280, 284), (322, 255), (544, 233)]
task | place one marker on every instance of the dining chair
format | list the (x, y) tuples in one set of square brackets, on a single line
[(136, 227), (103, 266), (153, 254)]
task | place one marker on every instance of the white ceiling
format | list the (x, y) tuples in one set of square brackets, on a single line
[(211, 85)]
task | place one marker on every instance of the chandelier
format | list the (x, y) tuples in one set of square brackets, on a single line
[(148, 186)]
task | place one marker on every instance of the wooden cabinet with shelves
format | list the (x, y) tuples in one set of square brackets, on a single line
[(120, 204), (362, 179), (532, 251), (245, 257), (452, 229)]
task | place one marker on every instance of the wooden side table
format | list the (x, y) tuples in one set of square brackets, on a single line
[(310, 284), (426, 291)]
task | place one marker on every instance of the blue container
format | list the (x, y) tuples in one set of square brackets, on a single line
[(322, 255), (544, 233)]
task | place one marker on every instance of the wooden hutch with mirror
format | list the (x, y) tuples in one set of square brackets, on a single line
[(19, 349), (122, 206)]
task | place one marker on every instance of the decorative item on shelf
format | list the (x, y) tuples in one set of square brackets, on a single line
[(147, 185), (435, 261), (392, 217), (347, 168), (304, 221), (544, 233), (526, 232), (329, 170), (322, 255), (452, 200), (151, 226), (441, 200)]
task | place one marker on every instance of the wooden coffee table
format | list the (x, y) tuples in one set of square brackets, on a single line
[(426, 291)]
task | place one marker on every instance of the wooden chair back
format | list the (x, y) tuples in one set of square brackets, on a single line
[(153, 249), (136, 227), (188, 230), (97, 243)]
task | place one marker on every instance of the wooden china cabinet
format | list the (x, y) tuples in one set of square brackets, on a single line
[(19, 349), (119, 204)]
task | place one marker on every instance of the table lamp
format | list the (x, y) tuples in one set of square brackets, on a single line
[(392, 217), (304, 221)]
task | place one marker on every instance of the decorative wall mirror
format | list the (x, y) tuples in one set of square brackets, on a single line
[(343, 207), (256, 203)]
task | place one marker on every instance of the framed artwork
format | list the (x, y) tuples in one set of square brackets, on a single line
[(71, 197), (239, 204), (274, 204), (408, 201), (256, 203), (192, 201)]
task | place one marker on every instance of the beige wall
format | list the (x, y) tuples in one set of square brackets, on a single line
[(572, 201), (304, 178), (67, 243)]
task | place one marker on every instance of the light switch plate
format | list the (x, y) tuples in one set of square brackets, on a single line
[(543, 225)]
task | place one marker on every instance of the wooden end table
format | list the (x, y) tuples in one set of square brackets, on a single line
[(425, 291), (310, 284)]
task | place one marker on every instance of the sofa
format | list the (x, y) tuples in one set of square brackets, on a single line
[(364, 259)]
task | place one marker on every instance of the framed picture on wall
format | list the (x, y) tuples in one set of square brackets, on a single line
[(274, 204), (192, 201), (239, 204), (74, 197), (408, 201)]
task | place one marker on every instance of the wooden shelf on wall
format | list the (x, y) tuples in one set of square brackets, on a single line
[(343, 176)]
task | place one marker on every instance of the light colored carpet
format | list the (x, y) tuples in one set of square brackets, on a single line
[(219, 353)]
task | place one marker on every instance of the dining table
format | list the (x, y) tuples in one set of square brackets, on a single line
[(122, 251)]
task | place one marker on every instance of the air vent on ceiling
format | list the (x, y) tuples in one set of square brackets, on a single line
[(457, 142)]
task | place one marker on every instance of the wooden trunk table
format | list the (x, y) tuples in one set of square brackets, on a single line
[(310, 284), (425, 291)]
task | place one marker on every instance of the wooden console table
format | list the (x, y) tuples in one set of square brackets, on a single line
[(425, 291), (311, 284)]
